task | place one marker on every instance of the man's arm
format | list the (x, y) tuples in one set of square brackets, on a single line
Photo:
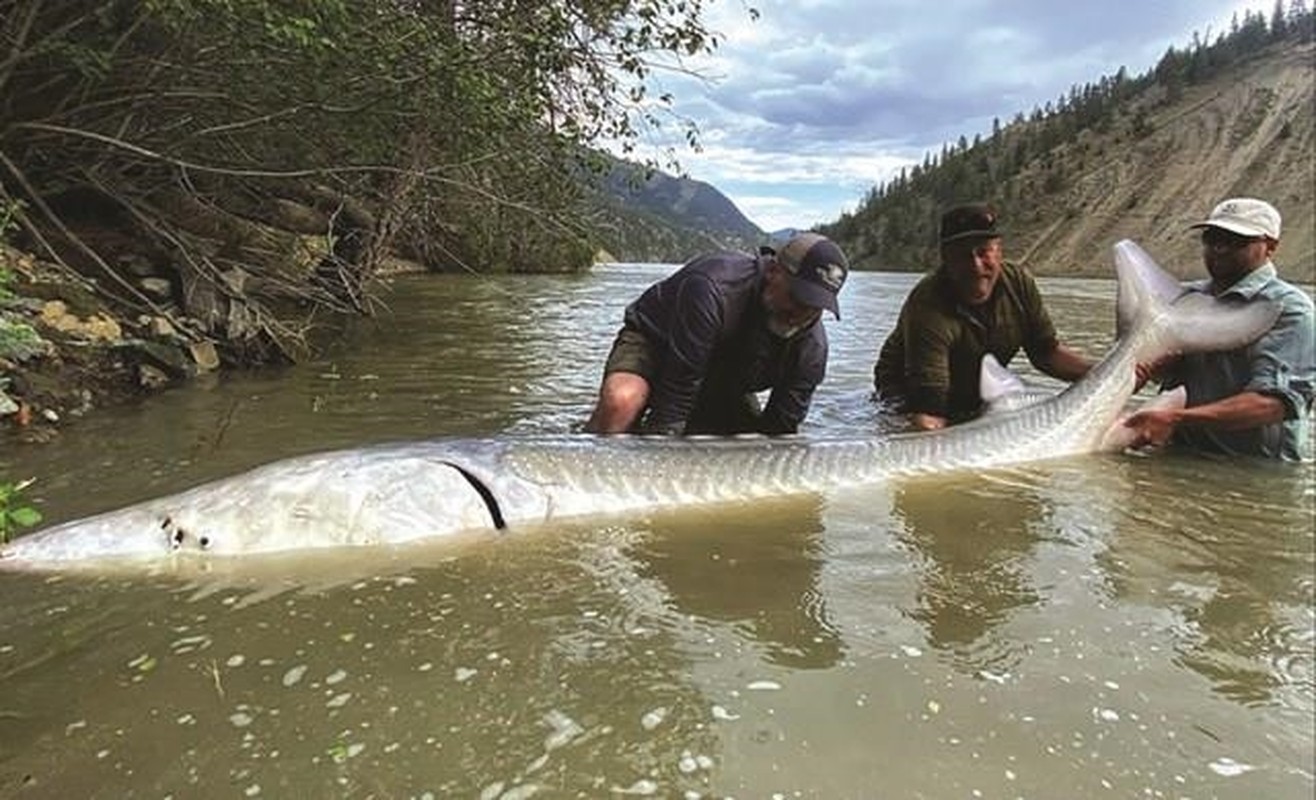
[(698, 316), (1042, 343), (1283, 373), (927, 422), (1234, 413), (1065, 363), (927, 371), (786, 409), (789, 402)]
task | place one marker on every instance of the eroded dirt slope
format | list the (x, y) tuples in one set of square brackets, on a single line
[(1251, 134)]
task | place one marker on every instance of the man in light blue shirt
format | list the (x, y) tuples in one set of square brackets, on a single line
[(1256, 400)]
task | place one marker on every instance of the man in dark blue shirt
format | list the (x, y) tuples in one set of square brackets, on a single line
[(696, 346)]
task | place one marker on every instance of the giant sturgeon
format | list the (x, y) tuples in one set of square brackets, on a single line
[(402, 492)]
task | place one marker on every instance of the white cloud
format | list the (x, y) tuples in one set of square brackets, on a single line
[(810, 106)]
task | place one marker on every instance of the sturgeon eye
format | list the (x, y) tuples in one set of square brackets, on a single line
[(205, 542)]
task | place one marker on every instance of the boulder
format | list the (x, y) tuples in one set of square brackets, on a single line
[(97, 328)]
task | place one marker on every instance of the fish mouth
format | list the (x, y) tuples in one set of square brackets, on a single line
[(295, 505)]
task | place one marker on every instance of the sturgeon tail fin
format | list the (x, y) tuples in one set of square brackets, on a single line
[(1182, 321)]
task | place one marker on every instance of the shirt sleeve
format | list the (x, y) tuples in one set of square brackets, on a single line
[(788, 404), (1039, 331), (693, 334), (1284, 360), (927, 363)]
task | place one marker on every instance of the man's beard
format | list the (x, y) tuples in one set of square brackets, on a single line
[(781, 329)]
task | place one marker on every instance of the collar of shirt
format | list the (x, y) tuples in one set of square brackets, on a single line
[(1246, 287)]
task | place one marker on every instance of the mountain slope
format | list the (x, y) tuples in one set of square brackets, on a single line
[(1251, 132), (1139, 159), (653, 216)]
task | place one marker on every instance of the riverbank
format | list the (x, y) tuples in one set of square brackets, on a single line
[(65, 350)]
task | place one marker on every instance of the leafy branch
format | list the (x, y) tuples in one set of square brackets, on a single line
[(15, 513)]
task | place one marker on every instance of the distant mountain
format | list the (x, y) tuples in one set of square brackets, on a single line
[(649, 215), (1128, 157)]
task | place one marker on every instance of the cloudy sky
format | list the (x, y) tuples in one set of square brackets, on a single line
[(806, 109)]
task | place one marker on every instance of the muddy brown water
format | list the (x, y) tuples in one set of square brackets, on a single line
[(1101, 626)]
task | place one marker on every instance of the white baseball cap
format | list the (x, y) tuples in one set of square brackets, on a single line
[(1246, 216)]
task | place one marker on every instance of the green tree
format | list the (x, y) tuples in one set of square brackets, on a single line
[(451, 130)]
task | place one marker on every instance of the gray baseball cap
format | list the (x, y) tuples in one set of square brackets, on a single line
[(817, 268)]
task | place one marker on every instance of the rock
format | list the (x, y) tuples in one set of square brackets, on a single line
[(151, 377), (157, 288), (297, 217), (29, 304), (38, 434), (79, 299), (136, 265), (241, 323), (205, 355), (394, 265), (236, 280), (202, 301), (84, 405), (168, 359), (98, 327), (161, 328)]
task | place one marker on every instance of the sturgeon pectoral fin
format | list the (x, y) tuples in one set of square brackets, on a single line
[(486, 494), (1122, 437)]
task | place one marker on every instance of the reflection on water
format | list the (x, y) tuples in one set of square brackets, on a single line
[(1235, 568), (974, 545), (1116, 626), (758, 571)]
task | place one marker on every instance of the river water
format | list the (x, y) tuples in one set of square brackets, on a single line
[(1102, 626)]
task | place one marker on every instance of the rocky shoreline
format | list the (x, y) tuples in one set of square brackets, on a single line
[(65, 351)]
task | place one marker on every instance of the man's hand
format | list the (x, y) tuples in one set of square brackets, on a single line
[(1154, 427), (1152, 370), (927, 422)]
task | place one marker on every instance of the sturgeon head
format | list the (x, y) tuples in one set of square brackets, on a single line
[(378, 495)]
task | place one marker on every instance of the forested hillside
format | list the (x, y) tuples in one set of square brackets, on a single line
[(1126, 157), (649, 215)]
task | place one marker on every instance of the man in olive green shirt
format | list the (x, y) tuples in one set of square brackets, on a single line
[(974, 303)]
